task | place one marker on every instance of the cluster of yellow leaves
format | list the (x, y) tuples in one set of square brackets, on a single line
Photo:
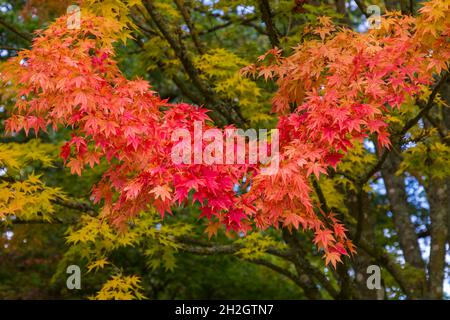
[(335, 199), (118, 10), (222, 68), (426, 156), (97, 264), (433, 19), (28, 199), (431, 158), (120, 287), (355, 164), (169, 8), (256, 244), (154, 53), (22, 193), (15, 156), (100, 234), (95, 239)]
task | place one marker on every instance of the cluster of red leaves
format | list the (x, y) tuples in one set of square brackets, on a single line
[(342, 87)]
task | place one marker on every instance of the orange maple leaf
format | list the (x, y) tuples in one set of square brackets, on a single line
[(162, 192)]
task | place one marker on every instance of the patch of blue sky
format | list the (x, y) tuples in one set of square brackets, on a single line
[(369, 145), (416, 193), (243, 10), (378, 186)]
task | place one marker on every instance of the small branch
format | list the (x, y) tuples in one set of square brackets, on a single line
[(182, 54), (387, 261), (425, 233), (36, 221), (278, 269), (216, 28), (320, 195), (75, 205), (11, 28), (230, 20), (436, 125), (344, 174), (245, 22), (412, 122), (266, 14), (211, 250), (10, 48), (360, 213), (375, 168), (192, 30), (362, 7)]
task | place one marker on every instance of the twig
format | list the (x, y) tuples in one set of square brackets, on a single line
[(11, 28), (266, 14)]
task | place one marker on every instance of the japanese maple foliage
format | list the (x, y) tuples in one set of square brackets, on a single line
[(338, 88), (332, 91), (70, 79)]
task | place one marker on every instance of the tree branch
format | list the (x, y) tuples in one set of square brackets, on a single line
[(279, 270), (228, 112), (388, 262), (266, 14), (192, 30), (362, 7), (198, 246), (400, 208), (11, 28)]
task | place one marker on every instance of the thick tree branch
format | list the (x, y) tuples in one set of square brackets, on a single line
[(427, 107), (407, 284), (405, 229), (362, 7), (192, 29), (230, 20), (305, 269), (360, 214), (297, 280), (267, 15), (198, 246), (390, 264), (184, 58), (303, 280), (438, 191), (342, 268), (182, 54)]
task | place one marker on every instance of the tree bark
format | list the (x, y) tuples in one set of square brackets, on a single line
[(438, 198), (396, 193)]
